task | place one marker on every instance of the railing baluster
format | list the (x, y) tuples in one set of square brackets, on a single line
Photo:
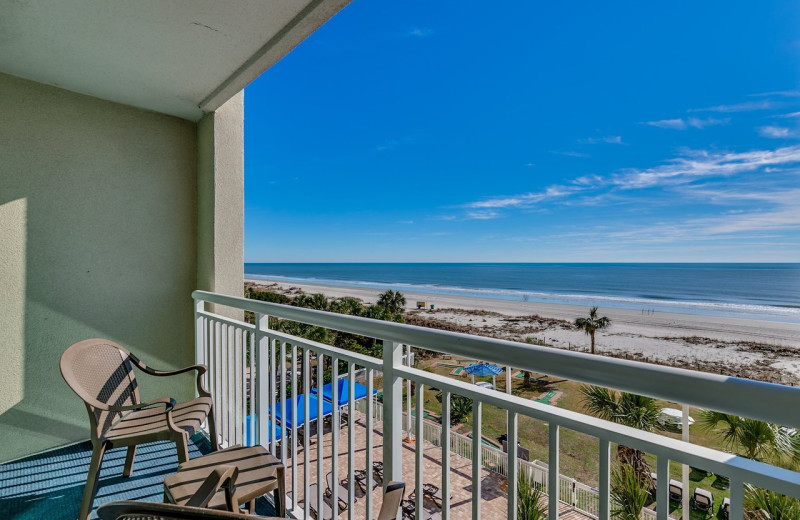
[(605, 480), (737, 498), (445, 455), (262, 373), (251, 386), (229, 383), (273, 368), (306, 428), (283, 404), (476, 459), (370, 447), (662, 487), (418, 453), (320, 428), (335, 435), (553, 471), (295, 430), (239, 383), (511, 465), (351, 439)]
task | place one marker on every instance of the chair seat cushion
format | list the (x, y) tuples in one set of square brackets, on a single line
[(187, 416)]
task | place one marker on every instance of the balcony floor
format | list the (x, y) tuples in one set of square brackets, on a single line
[(50, 485)]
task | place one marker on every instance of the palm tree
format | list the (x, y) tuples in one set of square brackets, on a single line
[(636, 411), (592, 324), (392, 301), (628, 494), (750, 438), (761, 504)]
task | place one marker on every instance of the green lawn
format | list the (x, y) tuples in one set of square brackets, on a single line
[(579, 452)]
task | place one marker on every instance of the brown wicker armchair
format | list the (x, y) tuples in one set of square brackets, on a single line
[(101, 373)]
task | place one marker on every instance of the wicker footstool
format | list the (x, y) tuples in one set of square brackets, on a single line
[(258, 473)]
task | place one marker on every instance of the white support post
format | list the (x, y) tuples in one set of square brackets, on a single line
[(513, 466), (419, 451), (199, 336), (737, 498), (553, 471), (605, 480), (662, 487), (392, 413), (445, 442), (262, 376), (477, 463), (685, 467)]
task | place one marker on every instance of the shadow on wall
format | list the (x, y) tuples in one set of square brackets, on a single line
[(98, 232)]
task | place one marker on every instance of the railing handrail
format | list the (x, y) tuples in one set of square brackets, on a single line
[(759, 400)]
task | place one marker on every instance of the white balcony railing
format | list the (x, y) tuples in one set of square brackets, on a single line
[(241, 354)]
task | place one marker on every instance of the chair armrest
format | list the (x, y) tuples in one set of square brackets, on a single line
[(200, 369), (167, 402), (221, 477)]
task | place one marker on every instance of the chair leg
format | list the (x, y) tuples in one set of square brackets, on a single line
[(212, 429), (181, 444), (91, 481), (128, 471)]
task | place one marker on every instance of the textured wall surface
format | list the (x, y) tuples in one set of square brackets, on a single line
[(220, 261), (98, 238)]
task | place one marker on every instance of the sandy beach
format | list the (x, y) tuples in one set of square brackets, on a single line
[(756, 349)]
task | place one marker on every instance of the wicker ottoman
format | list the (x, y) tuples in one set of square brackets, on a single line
[(258, 473)]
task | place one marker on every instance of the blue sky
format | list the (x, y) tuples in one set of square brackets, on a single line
[(530, 132)]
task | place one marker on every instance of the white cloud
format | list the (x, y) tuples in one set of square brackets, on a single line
[(419, 32), (790, 114), (570, 153), (747, 106), (674, 124), (697, 164), (775, 132), (609, 139), (482, 215), (781, 93), (691, 122)]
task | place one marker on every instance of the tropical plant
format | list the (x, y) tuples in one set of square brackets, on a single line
[(629, 494), (750, 438), (592, 323), (347, 305), (760, 504), (636, 411), (392, 301), (530, 505), (460, 408)]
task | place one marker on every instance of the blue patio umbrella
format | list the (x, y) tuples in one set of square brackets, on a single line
[(482, 370), (359, 392), (327, 409)]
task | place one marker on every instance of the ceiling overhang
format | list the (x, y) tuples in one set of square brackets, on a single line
[(177, 57)]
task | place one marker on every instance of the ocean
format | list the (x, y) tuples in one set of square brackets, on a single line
[(754, 291)]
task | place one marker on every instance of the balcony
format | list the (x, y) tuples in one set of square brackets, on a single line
[(253, 370)]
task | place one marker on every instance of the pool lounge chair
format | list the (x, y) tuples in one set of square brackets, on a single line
[(726, 508), (702, 500), (675, 490)]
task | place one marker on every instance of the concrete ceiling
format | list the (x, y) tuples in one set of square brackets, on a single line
[(178, 57)]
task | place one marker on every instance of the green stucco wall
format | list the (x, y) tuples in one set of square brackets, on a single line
[(98, 238)]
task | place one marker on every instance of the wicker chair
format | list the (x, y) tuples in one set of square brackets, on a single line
[(101, 373)]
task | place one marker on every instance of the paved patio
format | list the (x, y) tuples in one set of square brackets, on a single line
[(494, 506)]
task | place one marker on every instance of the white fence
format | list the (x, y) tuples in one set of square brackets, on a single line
[(233, 349)]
